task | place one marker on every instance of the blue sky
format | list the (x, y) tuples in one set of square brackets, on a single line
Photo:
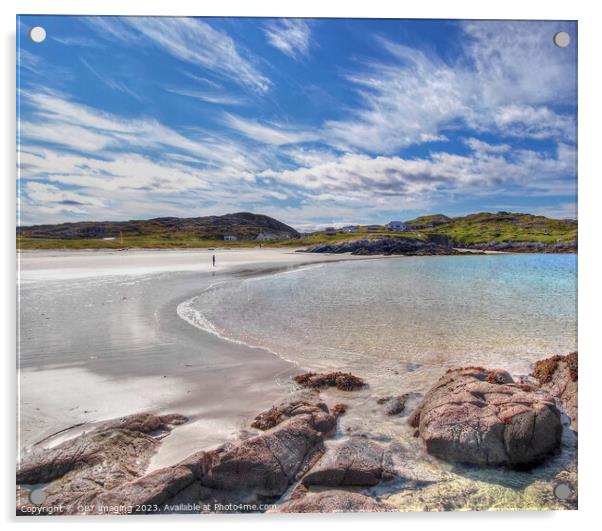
[(313, 121)]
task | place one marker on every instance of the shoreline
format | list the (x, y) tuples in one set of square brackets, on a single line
[(188, 382)]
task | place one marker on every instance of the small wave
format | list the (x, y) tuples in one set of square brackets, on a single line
[(196, 318), (283, 273)]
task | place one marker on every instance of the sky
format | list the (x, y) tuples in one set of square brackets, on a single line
[(312, 121)]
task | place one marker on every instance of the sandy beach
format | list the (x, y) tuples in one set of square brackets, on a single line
[(100, 337)]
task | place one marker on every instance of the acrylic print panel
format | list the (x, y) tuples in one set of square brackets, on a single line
[(296, 265)]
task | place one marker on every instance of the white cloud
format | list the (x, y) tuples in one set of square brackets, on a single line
[(190, 40), (82, 128), (268, 134), (481, 172), (480, 146), (49, 194), (405, 103), (510, 77), (517, 61), (534, 122), (290, 36)]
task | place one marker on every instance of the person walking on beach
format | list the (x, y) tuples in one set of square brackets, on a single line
[(213, 260)]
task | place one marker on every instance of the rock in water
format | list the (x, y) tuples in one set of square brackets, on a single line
[(473, 415), (356, 462), (393, 405), (344, 381), (558, 375), (301, 403), (333, 501)]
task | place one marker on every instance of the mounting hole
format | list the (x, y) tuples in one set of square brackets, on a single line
[(562, 491), (37, 34), (562, 39)]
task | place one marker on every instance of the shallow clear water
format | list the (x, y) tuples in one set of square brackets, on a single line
[(401, 316)]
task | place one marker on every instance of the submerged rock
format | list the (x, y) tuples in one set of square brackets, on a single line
[(558, 375), (473, 415), (333, 501), (393, 405), (356, 462), (344, 381)]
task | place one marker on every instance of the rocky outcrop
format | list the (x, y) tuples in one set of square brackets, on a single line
[(268, 463), (125, 443), (558, 375), (112, 454), (333, 501), (473, 415), (430, 245), (102, 471), (301, 403), (355, 462), (344, 381)]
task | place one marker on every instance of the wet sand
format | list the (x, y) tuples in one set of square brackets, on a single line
[(100, 337)]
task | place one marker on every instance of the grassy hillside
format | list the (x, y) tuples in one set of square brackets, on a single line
[(505, 227), (482, 228), (159, 232)]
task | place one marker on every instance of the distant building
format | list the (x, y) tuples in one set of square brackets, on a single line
[(229, 238), (330, 230), (109, 239), (397, 225), (350, 228)]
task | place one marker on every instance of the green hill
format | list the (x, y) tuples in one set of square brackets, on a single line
[(158, 232), (493, 231), (502, 227)]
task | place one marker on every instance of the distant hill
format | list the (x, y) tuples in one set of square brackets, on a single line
[(425, 222), (487, 230), (500, 231), (242, 225)]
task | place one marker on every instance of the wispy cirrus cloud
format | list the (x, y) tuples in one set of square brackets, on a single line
[(406, 128), (417, 96), (208, 97), (290, 36), (110, 82), (190, 40), (274, 134)]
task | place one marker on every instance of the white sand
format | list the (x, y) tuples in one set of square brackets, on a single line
[(96, 345), (63, 265)]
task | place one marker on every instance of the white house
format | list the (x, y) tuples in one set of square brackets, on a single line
[(229, 238), (397, 225)]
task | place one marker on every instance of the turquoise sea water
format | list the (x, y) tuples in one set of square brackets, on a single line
[(399, 323), (405, 315)]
